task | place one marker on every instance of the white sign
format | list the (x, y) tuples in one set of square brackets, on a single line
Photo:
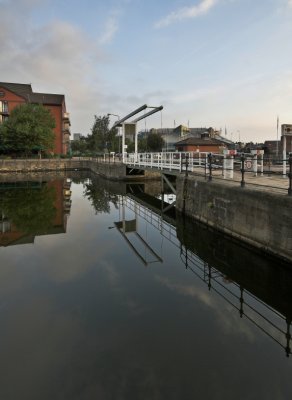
[(286, 129)]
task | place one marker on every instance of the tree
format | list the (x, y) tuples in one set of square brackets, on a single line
[(79, 146), (102, 138), (154, 142), (29, 128), (142, 144)]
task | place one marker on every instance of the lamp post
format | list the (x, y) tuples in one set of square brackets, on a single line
[(115, 115)]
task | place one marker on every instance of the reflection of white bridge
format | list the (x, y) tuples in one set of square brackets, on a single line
[(267, 319)]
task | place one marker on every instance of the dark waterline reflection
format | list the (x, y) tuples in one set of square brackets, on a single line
[(102, 298)]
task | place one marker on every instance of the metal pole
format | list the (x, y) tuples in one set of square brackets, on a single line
[(284, 156), (277, 148), (290, 175), (210, 166), (123, 143), (242, 183), (187, 164)]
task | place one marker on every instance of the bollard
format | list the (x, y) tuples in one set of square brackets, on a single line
[(187, 165), (210, 166), (242, 183), (290, 175)]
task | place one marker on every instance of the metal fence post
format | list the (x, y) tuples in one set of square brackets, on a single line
[(290, 175), (206, 165), (187, 164), (210, 166), (242, 183)]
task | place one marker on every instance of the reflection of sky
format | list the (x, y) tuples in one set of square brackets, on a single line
[(82, 318)]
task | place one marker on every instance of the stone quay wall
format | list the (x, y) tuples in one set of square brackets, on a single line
[(110, 170), (260, 218)]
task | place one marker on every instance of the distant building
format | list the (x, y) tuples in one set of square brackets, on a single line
[(193, 144), (173, 136), (272, 147), (15, 94)]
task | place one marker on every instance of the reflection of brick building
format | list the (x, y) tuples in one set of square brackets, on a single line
[(9, 232), (14, 94)]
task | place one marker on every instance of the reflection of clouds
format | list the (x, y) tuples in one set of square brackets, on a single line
[(117, 286), (226, 316), (31, 356), (112, 274)]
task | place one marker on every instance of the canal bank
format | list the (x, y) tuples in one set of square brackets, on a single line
[(113, 170), (252, 215), (259, 218)]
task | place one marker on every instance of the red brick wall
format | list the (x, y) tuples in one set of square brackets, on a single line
[(13, 99), (56, 111), (202, 148)]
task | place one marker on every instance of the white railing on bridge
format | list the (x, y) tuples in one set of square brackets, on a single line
[(192, 161)]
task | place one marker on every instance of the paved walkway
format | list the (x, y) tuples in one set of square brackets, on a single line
[(268, 182)]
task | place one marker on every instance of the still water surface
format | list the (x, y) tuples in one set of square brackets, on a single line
[(102, 299)]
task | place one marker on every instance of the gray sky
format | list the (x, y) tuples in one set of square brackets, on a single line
[(208, 62)]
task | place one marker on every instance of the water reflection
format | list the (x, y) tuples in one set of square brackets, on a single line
[(99, 196), (257, 286), (33, 208), (156, 307)]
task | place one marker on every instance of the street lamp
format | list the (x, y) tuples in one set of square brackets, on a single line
[(115, 115)]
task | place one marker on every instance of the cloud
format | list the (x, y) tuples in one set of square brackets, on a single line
[(187, 12), (55, 57), (111, 27), (224, 312), (290, 3)]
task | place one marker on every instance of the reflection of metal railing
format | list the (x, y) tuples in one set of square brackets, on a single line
[(167, 230), (267, 319)]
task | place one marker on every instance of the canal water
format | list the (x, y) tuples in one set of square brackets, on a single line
[(102, 298)]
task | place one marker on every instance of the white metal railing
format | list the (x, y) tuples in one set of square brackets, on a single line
[(225, 164), (168, 160), (182, 161)]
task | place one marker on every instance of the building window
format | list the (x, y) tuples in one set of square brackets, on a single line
[(3, 106), (3, 118)]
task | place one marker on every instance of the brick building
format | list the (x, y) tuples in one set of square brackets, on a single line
[(14, 94), (200, 145)]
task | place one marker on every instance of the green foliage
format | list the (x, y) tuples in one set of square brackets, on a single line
[(130, 144), (28, 128), (79, 146), (154, 142), (99, 196), (142, 145), (102, 139), (32, 210)]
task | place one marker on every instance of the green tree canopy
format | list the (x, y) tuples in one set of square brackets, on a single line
[(102, 138), (79, 146), (28, 128), (154, 142)]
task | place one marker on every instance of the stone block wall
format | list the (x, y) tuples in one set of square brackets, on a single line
[(260, 218)]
